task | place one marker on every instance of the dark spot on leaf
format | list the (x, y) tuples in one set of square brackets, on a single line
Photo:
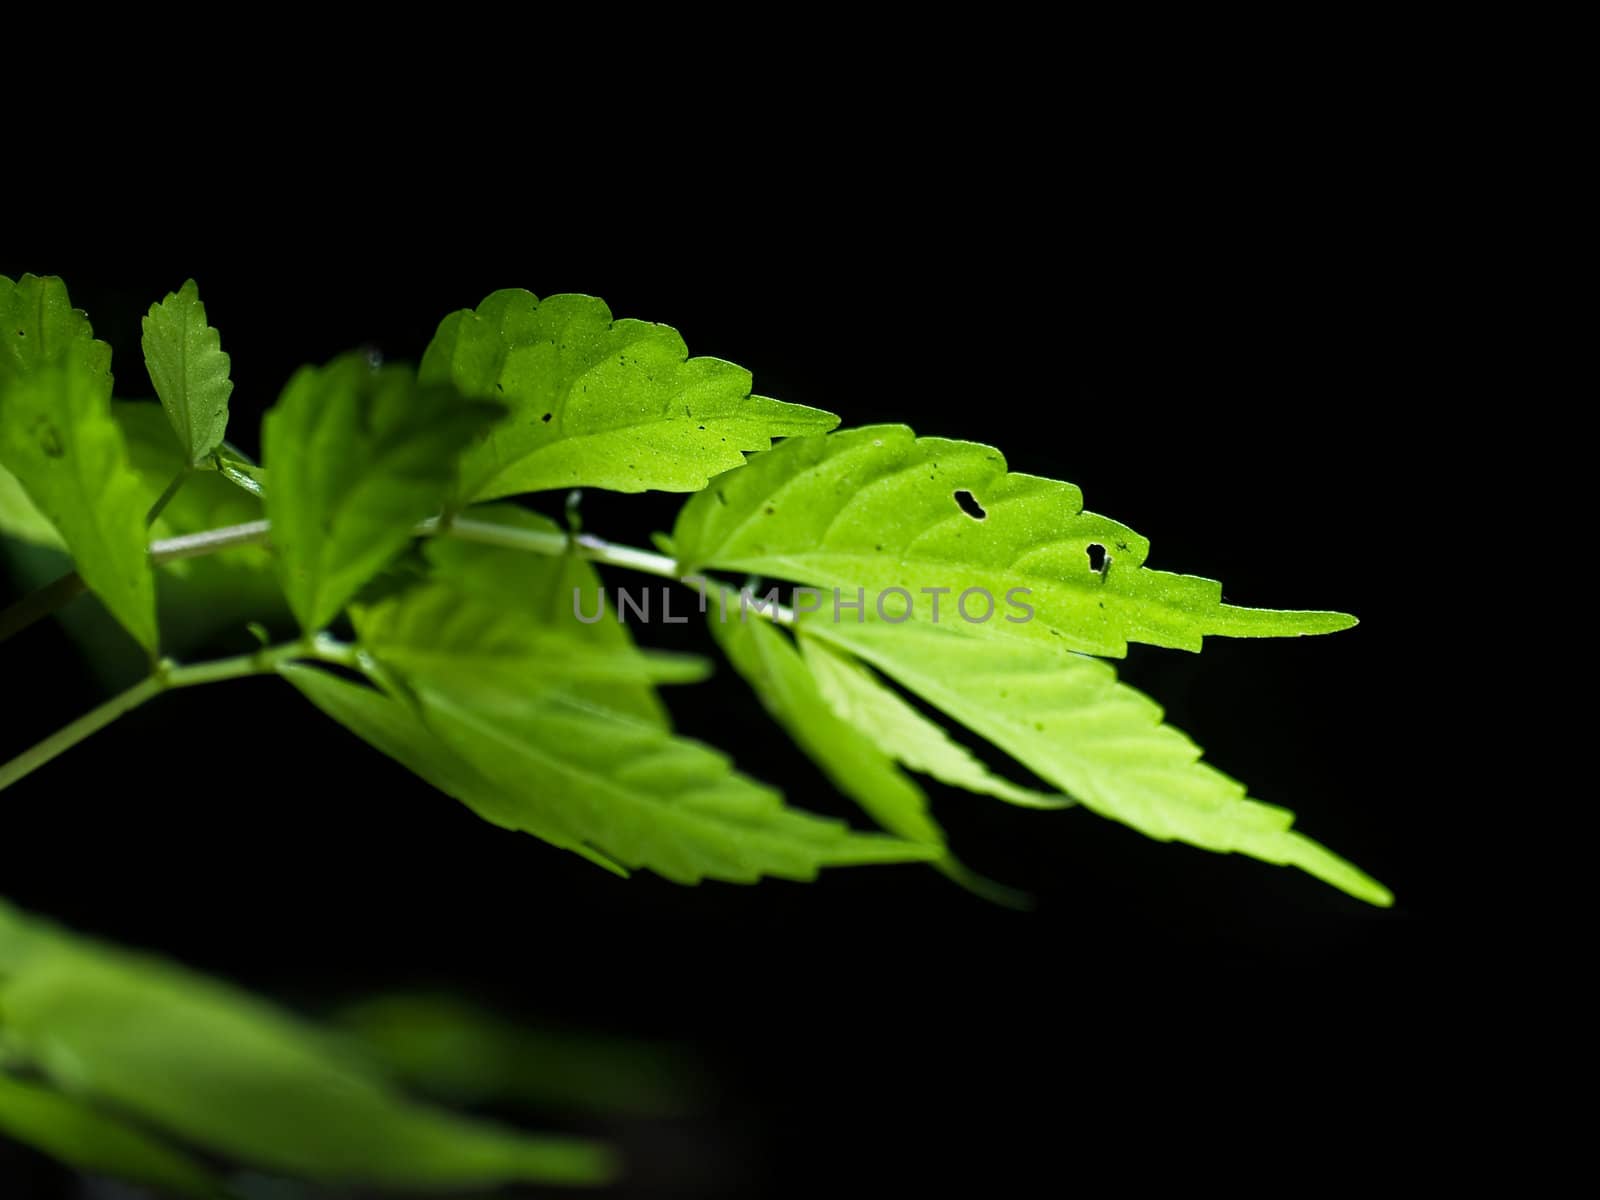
[(499, 387), (1097, 557), (770, 510), (1122, 545), (877, 547), (546, 418), (22, 333), (968, 504), (1039, 725), (702, 429), (722, 496), (50, 440)]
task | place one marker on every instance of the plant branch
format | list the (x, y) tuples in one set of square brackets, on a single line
[(37, 605), (165, 498), (254, 533), (167, 677)]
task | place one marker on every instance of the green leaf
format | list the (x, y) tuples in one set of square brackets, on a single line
[(599, 403), (468, 1055), (358, 456), (1068, 719), (491, 616), (393, 728), (644, 797), (189, 369), (74, 1134), (238, 470), (581, 777), (775, 671), (20, 518), (879, 508), (58, 437), (861, 700), (40, 328), (227, 1072), (768, 661)]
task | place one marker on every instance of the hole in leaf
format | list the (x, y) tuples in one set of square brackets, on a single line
[(969, 505), (1097, 557)]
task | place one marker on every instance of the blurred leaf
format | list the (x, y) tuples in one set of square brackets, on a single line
[(75, 1134), (225, 1071), (460, 1052), (21, 519)]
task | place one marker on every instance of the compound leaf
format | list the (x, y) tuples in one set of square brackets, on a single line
[(75, 1134), (189, 369), (878, 508), (225, 1071), (599, 403), (358, 455), (1067, 718)]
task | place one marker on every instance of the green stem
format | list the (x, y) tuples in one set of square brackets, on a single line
[(37, 605), (209, 541), (69, 736), (254, 533), (166, 497), (168, 676)]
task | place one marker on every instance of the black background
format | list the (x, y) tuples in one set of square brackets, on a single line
[(1229, 356)]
